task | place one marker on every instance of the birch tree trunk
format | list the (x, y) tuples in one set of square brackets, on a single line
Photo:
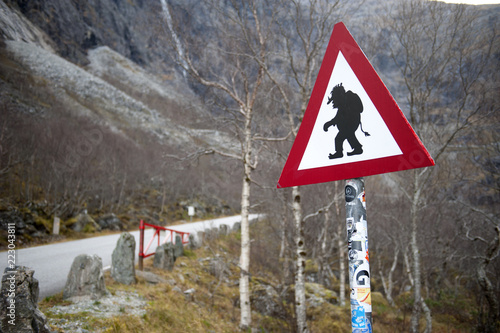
[(284, 245), (418, 302), (246, 312), (389, 284), (417, 285), (491, 252), (240, 38), (312, 26), (434, 55), (323, 257), (300, 290), (483, 280)]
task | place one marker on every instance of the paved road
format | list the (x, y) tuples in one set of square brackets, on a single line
[(53, 262)]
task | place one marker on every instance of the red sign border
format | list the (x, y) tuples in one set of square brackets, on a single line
[(414, 154)]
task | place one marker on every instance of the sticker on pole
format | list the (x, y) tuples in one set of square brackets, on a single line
[(352, 126)]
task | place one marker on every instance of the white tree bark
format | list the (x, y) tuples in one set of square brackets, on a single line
[(322, 258), (389, 284), (300, 289), (246, 312), (283, 247), (408, 266), (418, 301)]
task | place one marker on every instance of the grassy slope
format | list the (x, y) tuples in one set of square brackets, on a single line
[(214, 307)]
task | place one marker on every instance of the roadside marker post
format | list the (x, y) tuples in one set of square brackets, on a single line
[(352, 128), (191, 212)]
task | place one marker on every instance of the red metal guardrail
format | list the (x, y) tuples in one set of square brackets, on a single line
[(169, 236)]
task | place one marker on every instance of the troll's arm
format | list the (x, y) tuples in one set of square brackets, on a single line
[(332, 122)]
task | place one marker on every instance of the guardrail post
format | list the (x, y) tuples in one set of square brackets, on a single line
[(141, 245), (143, 251)]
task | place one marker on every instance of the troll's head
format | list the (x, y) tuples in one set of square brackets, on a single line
[(337, 96)]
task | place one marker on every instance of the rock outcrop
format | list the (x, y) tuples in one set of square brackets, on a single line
[(122, 260), (266, 300), (85, 223), (110, 222), (85, 278), (19, 302), (178, 247), (164, 257)]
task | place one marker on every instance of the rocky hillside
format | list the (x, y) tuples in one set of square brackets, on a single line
[(94, 117), (110, 89)]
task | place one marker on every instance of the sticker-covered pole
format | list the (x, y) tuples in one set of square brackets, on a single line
[(359, 266)]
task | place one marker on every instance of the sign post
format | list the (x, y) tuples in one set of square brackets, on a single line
[(349, 100), (359, 263)]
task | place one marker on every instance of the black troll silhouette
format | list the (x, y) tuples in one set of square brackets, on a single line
[(348, 119)]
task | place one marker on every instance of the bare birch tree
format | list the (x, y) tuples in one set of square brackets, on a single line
[(441, 58), (305, 28), (226, 65)]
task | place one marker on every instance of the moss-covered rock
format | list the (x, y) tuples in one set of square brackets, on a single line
[(317, 294), (84, 223)]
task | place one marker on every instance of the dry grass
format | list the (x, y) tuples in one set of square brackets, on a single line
[(214, 307), (211, 309)]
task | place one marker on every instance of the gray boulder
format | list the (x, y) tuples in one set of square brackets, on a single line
[(211, 233), (224, 229), (164, 257), (85, 278), (110, 222), (19, 302), (236, 227), (178, 247), (218, 268), (201, 236), (195, 240), (266, 301), (85, 223), (122, 260), (150, 277)]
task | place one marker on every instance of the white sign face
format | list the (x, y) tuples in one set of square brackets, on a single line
[(321, 150), (190, 210)]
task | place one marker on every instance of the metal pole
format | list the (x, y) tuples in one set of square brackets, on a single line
[(359, 265), (141, 244)]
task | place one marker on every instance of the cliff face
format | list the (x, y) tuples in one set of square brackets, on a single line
[(76, 26)]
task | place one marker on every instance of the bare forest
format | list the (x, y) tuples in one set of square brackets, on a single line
[(234, 81)]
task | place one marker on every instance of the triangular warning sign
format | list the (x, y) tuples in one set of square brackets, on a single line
[(352, 126)]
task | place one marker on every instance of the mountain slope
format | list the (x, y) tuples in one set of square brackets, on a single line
[(96, 134), (86, 93)]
